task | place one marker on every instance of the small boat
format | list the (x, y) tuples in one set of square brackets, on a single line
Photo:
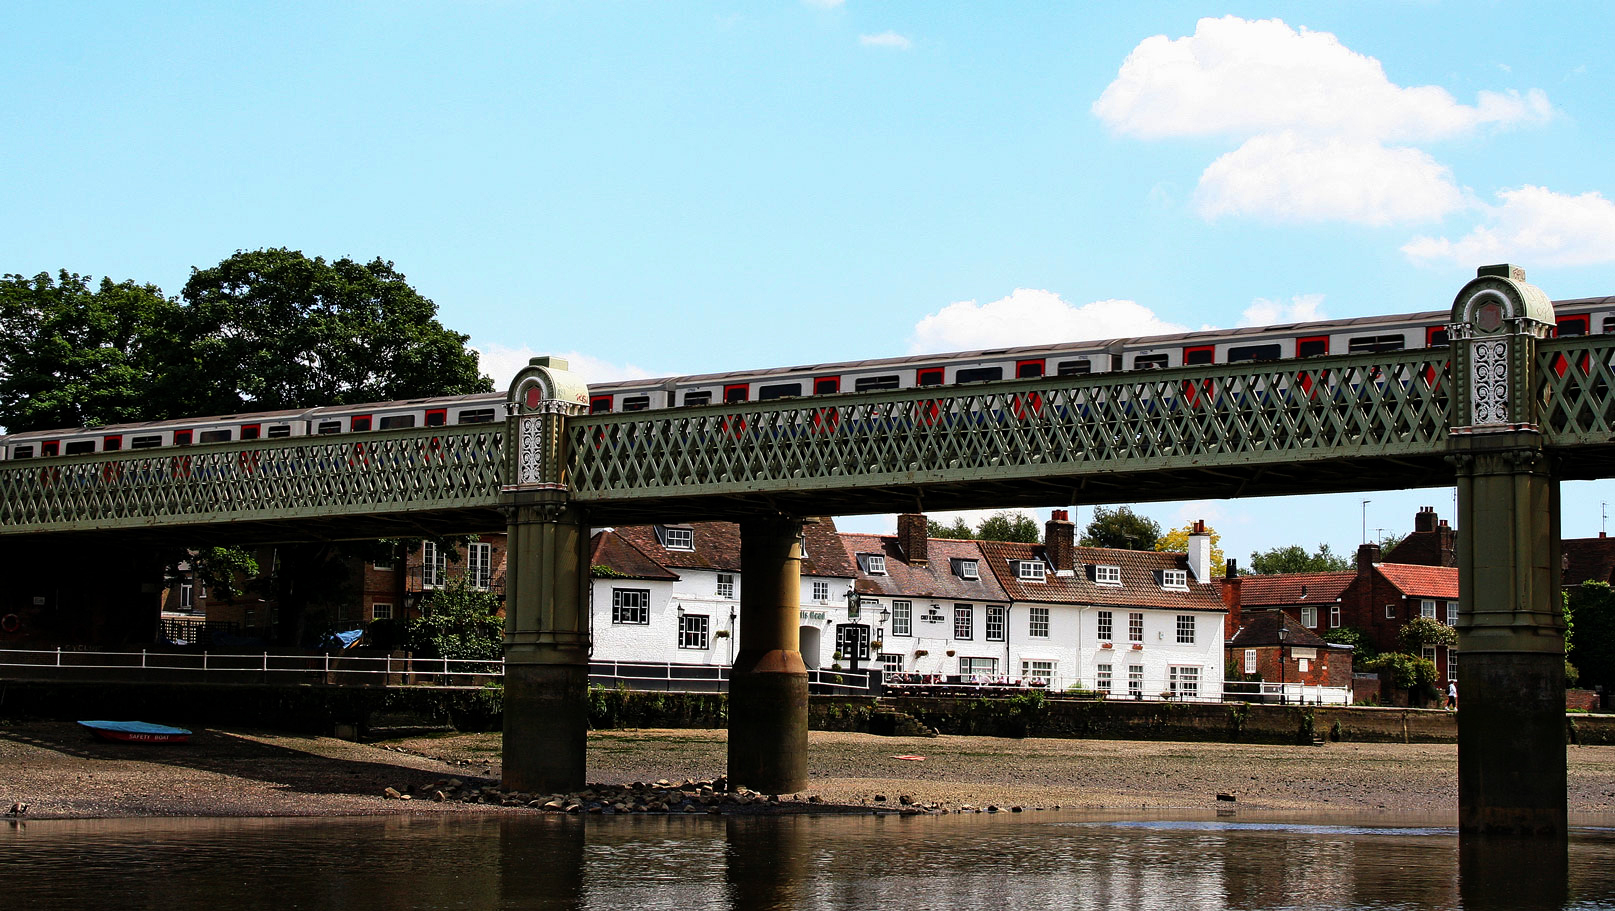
[(137, 731)]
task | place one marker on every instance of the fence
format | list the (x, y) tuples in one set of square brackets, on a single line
[(265, 667), (714, 678), (1289, 693)]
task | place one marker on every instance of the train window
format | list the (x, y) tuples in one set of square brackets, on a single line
[(827, 385), (1254, 353), (215, 436), (704, 397), (112, 444), (1205, 354), (397, 421), (22, 452), (1609, 325), (978, 374), (437, 417), (1366, 343), (329, 427), (1316, 346), (599, 404), (280, 430), (1435, 337), (249, 431), (146, 442), (182, 438), (636, 403), (359, 422), (1572, 325), (80, 447), (476, 416), (737, 393), (931, 376), (875, 383), (779, 391), (1149, 362), (1077, 367), (1028, 369)]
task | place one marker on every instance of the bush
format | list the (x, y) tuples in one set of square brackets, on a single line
[(1362, 648), (1422, 631), (1406, 671), (460, 624)]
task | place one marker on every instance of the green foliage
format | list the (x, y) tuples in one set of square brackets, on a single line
[(1572, 675), (1422, 631), (1591, 607), (957, 531), (1121, 528), (1296, 559), (1406, 671), (1388, 543), (71, 356), (1009, 526), (1362, 648), (222, 568), (602, 571), (458, 623)]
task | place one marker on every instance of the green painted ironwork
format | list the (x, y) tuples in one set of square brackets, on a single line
[(1575, 377), (291, 478), (1240, 415)]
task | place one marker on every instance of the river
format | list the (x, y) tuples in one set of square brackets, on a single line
[(1045, 860)]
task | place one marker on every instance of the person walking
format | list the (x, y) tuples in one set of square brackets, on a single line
[(1452, 695)]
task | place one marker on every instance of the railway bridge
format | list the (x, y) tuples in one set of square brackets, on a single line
[(1506, 412)]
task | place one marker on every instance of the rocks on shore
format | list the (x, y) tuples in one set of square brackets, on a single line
[(706, 796)]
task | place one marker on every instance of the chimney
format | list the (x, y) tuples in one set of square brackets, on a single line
[(1425, 519), (1367, 556), (913, 538), (1231, 599), (1060, 541), (1447, 538), (1200, 552)]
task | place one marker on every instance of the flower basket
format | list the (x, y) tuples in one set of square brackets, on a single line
[(721, 634), (1106, 645), (920, 653), (951, 653), (1138, 646)]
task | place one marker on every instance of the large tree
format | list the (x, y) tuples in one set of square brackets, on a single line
[(1177, 541), (1296, 559), (271, 329), (73, 355), (1121, 528), (1008, 526)]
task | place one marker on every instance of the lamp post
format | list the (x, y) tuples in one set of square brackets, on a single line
[(1281, 657)]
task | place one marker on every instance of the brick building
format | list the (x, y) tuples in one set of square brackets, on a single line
[(1256, 650)]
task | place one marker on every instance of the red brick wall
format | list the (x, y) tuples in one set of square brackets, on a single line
[(1330, 668)]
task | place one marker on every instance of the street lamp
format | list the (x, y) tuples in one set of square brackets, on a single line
[(1281, 657)]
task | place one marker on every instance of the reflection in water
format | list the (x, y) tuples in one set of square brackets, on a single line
[(1031, 861), (1514, 874)]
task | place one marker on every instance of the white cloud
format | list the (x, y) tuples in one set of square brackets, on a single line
[(502, 363), (885, 39), (1301, 308), (1531, 225), (1028, 317), (1241, 78), (1288, 177)]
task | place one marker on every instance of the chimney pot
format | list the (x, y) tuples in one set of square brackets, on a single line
[(914, 538)]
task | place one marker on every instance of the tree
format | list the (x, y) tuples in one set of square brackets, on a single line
[(957, 531), (1388, 543), (71, 356), (1121, 528), (1362, 647), (272, 329), (458, 623), (1295, 559), (1177, 541), (1592, 607), (1008, 526)]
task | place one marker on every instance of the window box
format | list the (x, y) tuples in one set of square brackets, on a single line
[(1106, 645), (1138, 646)]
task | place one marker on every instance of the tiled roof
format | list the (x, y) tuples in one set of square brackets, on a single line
[(614, 552), (1140, 578), (1588, 559), (1421, 581), (933, 579), (717, 548), (1293, 588), (1261, 627)]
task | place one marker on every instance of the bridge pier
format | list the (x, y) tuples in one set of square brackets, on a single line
[(1511, 729), (768, 685)]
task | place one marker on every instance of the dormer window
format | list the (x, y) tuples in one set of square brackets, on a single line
[(674, 538), (875, 565), (969, 570), (1107, 575), (1029, 570), (1175, 578)]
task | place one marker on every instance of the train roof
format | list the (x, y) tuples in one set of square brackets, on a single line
[(137, 426)]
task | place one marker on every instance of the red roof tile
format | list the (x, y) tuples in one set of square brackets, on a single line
[(1140, 575), (1421, 581), (1588, 560), (616, 553), (1293, 588), (936, 578), (717, 548)]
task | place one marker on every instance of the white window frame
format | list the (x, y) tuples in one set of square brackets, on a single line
[(695, 631), (187, 595), (1427, 608), (1452, 664), (1250, 661), (1107, 575), (1183, 681), (622, 608), (381, 610), (994, 622), (987, 667), (1428, 651), (384, 565), (1036, 669), (1030, 570), (891, 662), (1102, 678), (1037, 623), (1303, 664), (726, 585), (1135, 626), (479, 566), (1334, 616), (964, 622), (676, 537), (1176, 579), (902, 618), (1105, 624), (1135, 679), (875, 564), (1186, 627), (821, 592), (970, 570), (1451, 613), (1309, 617), (434, 565), (1390, 612)]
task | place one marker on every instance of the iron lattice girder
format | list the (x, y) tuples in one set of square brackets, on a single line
[(1059, 431), (304, 480)]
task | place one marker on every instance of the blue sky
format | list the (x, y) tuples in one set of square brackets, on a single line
[(660, 188)]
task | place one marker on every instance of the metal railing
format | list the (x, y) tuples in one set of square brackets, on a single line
[(1288, 693), (1052, 687), (149, 666), (667, 677)]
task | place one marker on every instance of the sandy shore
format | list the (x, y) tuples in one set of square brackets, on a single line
[(61, 771)]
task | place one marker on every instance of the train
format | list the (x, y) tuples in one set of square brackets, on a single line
[(1360, 335)]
